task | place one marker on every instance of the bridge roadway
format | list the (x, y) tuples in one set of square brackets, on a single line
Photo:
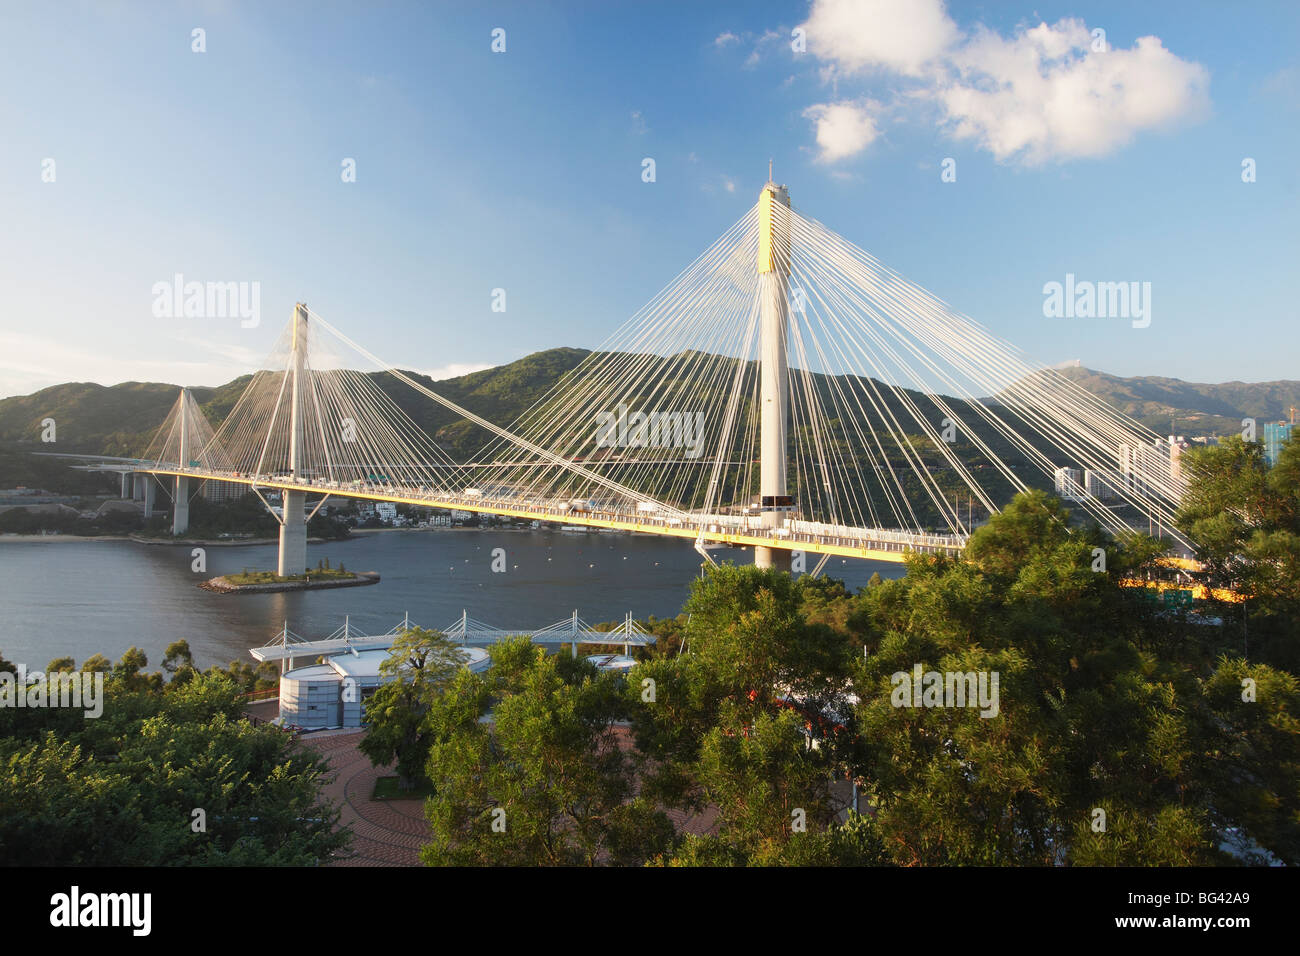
[(871, 544)]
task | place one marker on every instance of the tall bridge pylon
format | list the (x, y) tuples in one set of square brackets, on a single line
[(786, 392), (293, 522), (773, 264), (184, 438)]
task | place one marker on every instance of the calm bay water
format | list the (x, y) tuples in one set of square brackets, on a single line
[(78, 598)]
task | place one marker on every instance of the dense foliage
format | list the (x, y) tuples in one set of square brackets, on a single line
[(547, 782), (419, 666), (1124, 733), (67, 520), (1245, 519), (170, 773)]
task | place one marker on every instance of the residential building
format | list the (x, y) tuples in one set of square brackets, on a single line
[(1068, 484), (1275, 434)]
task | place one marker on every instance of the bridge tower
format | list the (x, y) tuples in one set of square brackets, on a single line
[(181, 493), (293, 524), (774, 277)]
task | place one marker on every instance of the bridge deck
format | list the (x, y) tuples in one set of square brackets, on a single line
[(870, 544)]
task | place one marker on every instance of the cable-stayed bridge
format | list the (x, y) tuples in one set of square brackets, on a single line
[(786, 392)]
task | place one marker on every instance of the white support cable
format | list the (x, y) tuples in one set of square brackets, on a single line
[(872, 359)]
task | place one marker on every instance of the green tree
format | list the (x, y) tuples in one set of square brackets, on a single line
[(122, 789), (730, 724), (128, 670), (1248, 761), (1106, 706), (96, 662), (1244, 520), (546, 781), (419, 665), (177, 657)]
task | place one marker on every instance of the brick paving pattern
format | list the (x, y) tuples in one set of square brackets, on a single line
[(391, 832), (384, 832)]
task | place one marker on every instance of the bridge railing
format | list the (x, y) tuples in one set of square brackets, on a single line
[(797, 531)]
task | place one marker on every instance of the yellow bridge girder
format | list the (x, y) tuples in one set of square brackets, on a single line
[(585, 519), (739, 539)]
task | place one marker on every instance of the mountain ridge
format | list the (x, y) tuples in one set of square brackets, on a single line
[(120, 419), (1196, 408)]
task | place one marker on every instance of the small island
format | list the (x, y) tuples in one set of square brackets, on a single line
[(261, 582)]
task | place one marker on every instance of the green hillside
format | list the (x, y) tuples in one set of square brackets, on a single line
[(1194, 408), (121, 420)]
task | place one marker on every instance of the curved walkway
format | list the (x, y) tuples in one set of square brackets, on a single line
[(384, 832)]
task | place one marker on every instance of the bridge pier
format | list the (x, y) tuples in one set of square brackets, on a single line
[(778, 559), (180, 505), (126, 484), (150, 494), (293, 534), (138, 482)]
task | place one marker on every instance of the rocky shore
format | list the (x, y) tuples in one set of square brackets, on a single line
[(222, 586)]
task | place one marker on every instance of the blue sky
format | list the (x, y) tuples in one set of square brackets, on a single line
[(521, 170)]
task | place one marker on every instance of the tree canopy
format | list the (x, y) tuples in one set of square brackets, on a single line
[(169, 774)]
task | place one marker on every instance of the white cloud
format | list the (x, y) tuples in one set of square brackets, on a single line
[(638, 123), (761, 43), (899, 35), (728, 184), (454, 370), (1047, 95), (843, 129), (1042, 94)]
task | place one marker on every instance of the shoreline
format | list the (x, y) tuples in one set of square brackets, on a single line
[(178, 542), (444, 527), (237, 542), (215, 542)]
